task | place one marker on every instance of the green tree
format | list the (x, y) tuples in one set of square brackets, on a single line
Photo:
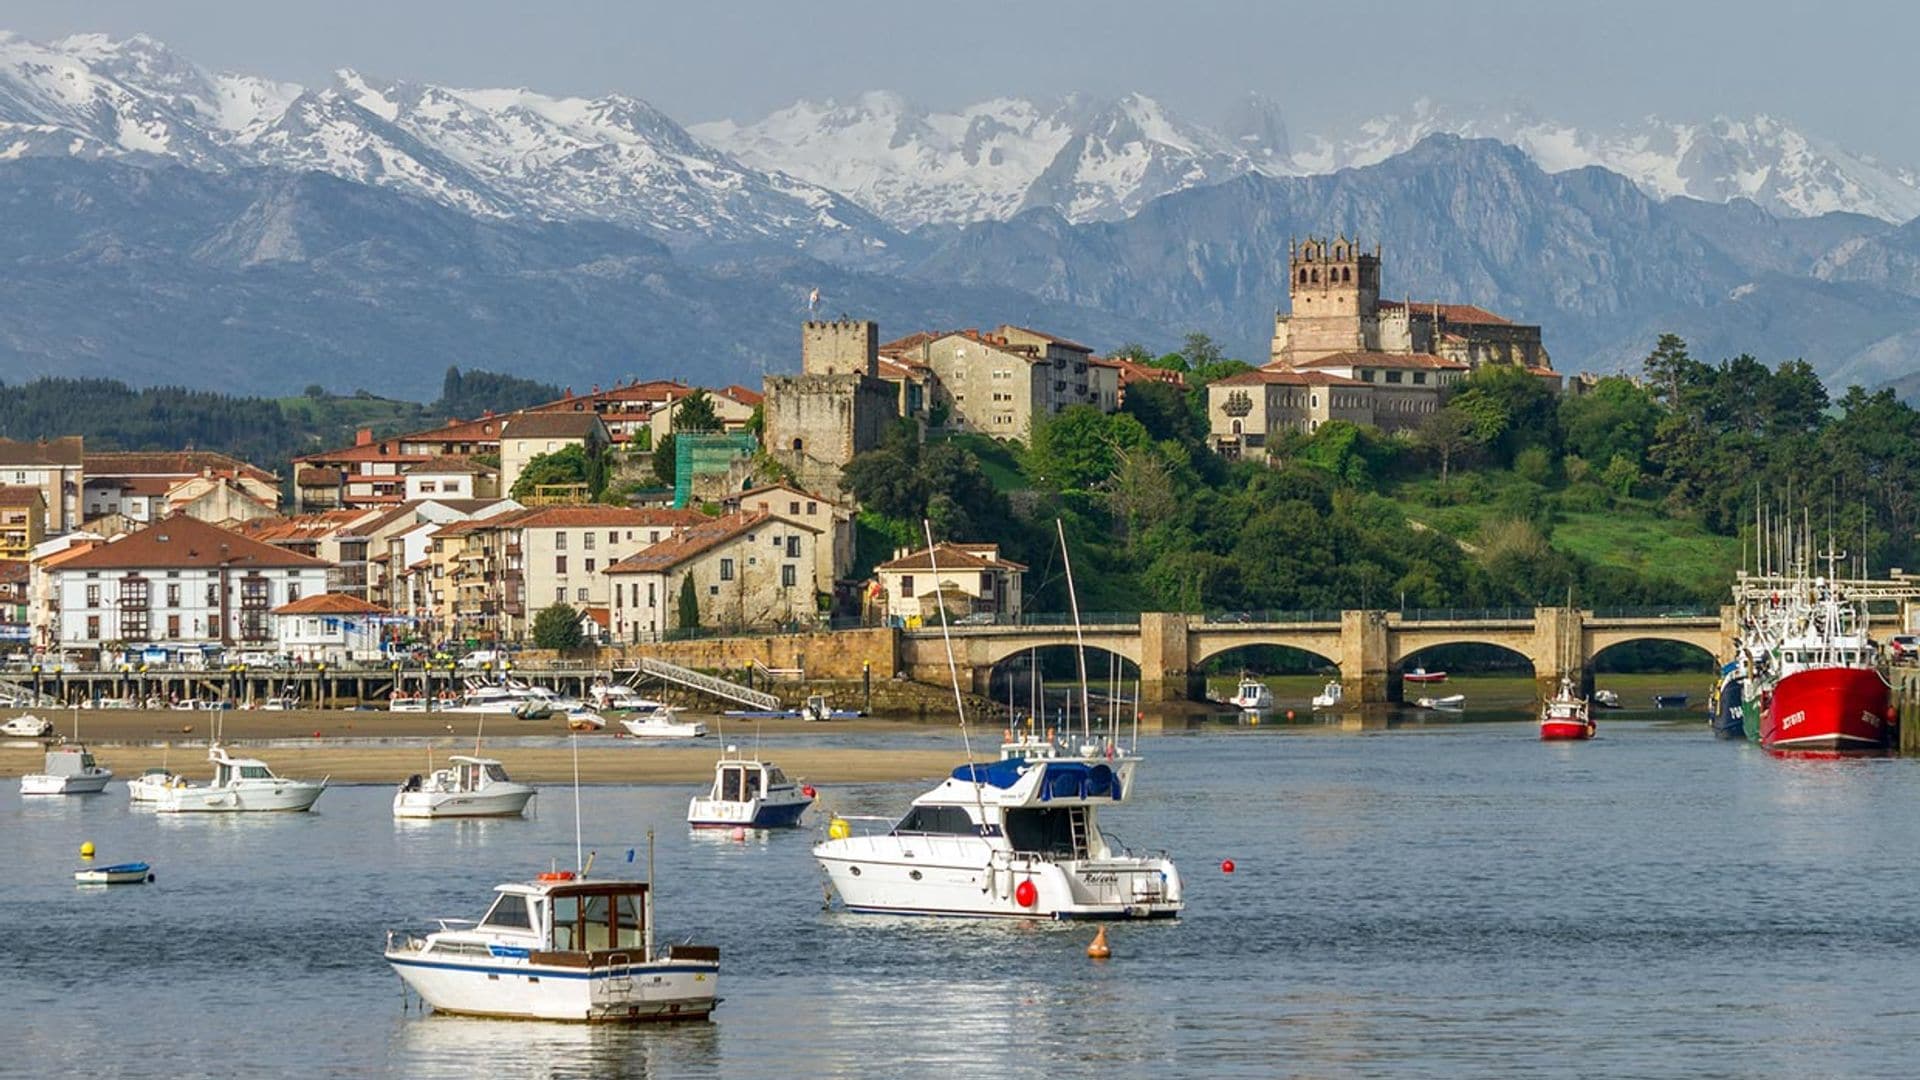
[(1200, 351), (666, 461), (1622, 474), (1617, 416), (1076, 449), (1162, 410), (1446, 433), (567, 465), (1131, 350), (694, 414), (687, 612), (557, 627)]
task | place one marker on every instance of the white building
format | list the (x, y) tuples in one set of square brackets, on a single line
[(330, 628), (968, 579), (748, 570), (178, 583)]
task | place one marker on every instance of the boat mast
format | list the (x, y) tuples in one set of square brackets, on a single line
[(953, 671), (1079, 638)]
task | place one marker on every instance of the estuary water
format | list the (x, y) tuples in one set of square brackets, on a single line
[(1435, 900)]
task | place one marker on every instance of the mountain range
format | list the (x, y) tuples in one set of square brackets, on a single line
[(168, 224)]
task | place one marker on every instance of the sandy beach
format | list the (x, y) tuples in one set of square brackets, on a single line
[(350, 746)]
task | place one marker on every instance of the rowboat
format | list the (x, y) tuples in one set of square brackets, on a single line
[(133, 873)]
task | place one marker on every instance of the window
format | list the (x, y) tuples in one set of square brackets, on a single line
[(906, 585), (213, 594), (293, 591), (936, 821), (1419, 378), (793, 547), (586, 541), (93, 596), (813, 507), (653, 536), (427, 486), (559, 564), (560, 595), (173, 595), (787, 576), (173, 628), (726, 569), (580, 595), (560, 541), (613, 536), (649, 593), (1393, 376), (93, 627), (510, 911)]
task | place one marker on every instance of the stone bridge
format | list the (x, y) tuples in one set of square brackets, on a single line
[(1370, 648)]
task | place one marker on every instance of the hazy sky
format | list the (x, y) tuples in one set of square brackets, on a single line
[(1840, 68)]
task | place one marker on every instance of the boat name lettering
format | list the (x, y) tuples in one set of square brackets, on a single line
[(1793, 719), (1101, 878), (508, 950)]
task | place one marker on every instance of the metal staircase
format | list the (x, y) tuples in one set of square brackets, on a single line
[(706, 684)]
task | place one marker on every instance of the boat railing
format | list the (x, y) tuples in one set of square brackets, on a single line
[(408, 941), (867, 824)]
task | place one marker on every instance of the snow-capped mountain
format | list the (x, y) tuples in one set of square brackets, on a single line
[(1764, 159), (497, 153), (1087, 159)]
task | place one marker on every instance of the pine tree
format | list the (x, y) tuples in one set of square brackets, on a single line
[(688, 616)]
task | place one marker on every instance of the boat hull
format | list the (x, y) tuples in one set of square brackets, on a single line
[(961, 877), (772, 813), (664, 729), (516, 988), (436, 804), (124, 874), (1831, 709), (1565, 730), (291, 798), (40, 784)]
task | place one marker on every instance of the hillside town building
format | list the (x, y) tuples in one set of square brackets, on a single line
[(528, 435), (139, 488), (837, 407), (23, 521), (967, 579), (331, 628), (997, 383), (57, 467), (746, 570)]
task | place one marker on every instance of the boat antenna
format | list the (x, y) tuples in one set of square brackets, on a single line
[(953, 669), (1079, 639), (579, 860)]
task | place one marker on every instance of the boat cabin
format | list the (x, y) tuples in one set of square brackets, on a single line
[(231, 770), (569, 916), (69, 761), (745, 781)]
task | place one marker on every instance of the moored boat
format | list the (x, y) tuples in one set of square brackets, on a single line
[(1566, 715), (561, 947), (1450, 703), (1607, 699), (662, 725), (1670, 701), (69, 770), (150, 785), (1422, 675), (1252, 695), (134, 873), (27, 726), (749, 793), (1724, 712), (240, 785), (467, 787), (1330, 696)]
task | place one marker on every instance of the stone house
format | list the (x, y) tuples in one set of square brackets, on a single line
[(371, 472), (1246, 411), (143, 487), (748, 570), (970, 579), (999, 383), (833, 521), (450, 478)]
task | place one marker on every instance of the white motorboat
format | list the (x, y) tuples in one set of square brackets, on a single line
[(27, 726), (133, 873), (1331, 696), (110, 703), (284, 703), (1607, 699), (625, 699), (581, 718), (1252, 695), (750, 794), (1016, 838), (560, 948), (69, 770), (149, 786), (467, 787), (1450, 703), (662, 725), (240, 785), (407, 703)]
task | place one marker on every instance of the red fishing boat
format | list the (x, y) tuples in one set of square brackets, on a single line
[(1566, 715), (1422, 675), (1817, 682)]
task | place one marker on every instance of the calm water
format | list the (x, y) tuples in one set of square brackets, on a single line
[(1457, 900)]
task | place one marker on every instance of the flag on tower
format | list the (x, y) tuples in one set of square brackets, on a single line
[(813, 299)]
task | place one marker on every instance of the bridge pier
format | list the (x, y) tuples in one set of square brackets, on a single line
[(1366, 676), (1165, 673)]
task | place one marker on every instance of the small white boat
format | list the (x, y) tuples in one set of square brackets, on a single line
[(149, 786), (625, 699), (816, 708), (133, 873), (407, 703), (1252, 696), (69, 770), (27, 726), (110, 703), (1331, 696), (749, 794), (284, 703), (1607, 699), (1450, 703), (467, 787), (561, 947), (581, 718), (240, 785), (662, 725)]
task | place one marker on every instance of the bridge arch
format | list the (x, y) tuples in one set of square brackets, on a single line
[(1407, 645), (1696, 650), (1322, 646), (1043, 679), (1707, 640)]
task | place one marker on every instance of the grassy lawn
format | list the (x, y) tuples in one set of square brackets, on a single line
[(355, 412), (997, 460)]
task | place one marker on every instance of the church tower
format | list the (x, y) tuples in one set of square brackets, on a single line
[(1334, 289)]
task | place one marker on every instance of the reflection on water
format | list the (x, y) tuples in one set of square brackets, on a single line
[(1437, 899)]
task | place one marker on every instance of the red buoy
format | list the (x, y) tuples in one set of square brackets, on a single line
[(1226, 866), (1025, 894), (808, 791)]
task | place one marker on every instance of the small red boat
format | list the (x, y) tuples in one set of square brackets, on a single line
[(1566, 716), (1422, 675)]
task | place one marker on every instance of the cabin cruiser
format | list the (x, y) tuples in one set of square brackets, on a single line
[(1607, 699), (561, 947), (1330, 696), (410, 703), (240, 785), (1015, 838), (1566, 715), (27, 726), (1252, 695), (69, 770), (750, 794), (152, 784), (580, 717), (467, 787), (662, 725), (1422, 675)]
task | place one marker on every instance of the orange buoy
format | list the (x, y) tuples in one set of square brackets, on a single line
[(1098, 950)]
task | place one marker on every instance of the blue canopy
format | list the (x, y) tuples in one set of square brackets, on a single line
[(1000, 774), (1078, 780)]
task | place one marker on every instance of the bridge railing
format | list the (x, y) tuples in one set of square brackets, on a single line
[(1231, 618), (1511, 614), (1659, 611)]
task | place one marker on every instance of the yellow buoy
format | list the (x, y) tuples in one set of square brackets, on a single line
[(838, 829), (86, 850), (1098, 950)]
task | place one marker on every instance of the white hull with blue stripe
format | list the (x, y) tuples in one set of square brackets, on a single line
[(560, 948), (749, 794)]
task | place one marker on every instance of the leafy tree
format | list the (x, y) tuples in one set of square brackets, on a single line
[(687, 612), (557, 627), (1162, 410), (694, 414), (1077, 448), (1201, 352), (1446, 433), (314, 391), (1617, 416), (471, 393), (1621, 475), (1133, 351), (567, 465), (666, 462)]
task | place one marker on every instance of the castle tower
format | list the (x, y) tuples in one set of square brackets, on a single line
[(838, 406), (843, 347), (1334, 291)]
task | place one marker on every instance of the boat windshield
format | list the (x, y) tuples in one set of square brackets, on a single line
[(496, 773), (594, 923), (936, 821), (255, 772), (509, 911), (775, 778)]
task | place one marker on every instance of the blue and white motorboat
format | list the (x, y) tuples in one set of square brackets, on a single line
[(561, 947), (750, 794), (133, 873)]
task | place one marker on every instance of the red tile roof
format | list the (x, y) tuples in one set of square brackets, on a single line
[(183, 543), (178, 463), (1042, 335), (1454, 313), (21, 495), (15, 571), (741, 394), (1278, 376), (332, 603), (594, 517), (1426, 361), (950, 556), (550, 425), (668, 554), (66, 450)]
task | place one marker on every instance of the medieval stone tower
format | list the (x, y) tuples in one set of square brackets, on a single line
[(1334, 289), (838, 406)]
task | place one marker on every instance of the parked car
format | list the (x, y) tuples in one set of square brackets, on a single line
[(479, 658), (259, 659), (978, 618), (1905, 648)]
